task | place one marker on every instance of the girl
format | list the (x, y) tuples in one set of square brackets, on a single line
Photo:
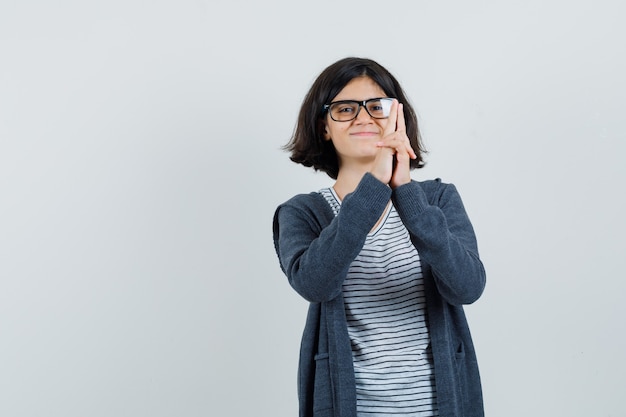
[(386, 262)]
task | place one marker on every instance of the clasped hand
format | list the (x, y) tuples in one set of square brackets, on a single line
[(392, 162)]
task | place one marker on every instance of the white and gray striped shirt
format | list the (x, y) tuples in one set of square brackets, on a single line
[(387, 322)]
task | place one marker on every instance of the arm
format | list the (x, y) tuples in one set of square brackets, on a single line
[(315, 258), (444, 238)]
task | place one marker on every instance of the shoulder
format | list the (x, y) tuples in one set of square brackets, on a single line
[(306, 202), (311, 208), (430, 186), (436, 190)]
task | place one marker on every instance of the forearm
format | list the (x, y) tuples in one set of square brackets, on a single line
[(316, 258), (445, 240)]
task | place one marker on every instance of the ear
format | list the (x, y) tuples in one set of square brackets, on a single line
[(326, 133)]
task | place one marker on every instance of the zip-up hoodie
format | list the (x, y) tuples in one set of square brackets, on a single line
[(315, 249)]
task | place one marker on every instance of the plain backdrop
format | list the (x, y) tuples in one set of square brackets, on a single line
[(140, 166)]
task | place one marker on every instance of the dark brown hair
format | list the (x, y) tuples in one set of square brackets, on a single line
[(307, 145)]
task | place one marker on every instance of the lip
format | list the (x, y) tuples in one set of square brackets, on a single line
[(364, 134)]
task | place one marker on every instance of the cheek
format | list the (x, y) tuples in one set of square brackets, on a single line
[(334, 131), (383, 123)]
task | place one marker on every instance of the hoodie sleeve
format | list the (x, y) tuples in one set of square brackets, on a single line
[(315, 256), (445, 239)]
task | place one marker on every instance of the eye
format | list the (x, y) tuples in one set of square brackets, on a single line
[(344, 108), (379, 108), (376, 108)]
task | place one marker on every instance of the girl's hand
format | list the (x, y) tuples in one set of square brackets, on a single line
[(392, 164)]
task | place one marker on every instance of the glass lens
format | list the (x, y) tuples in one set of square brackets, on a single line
[(379, 108), (344, 110)]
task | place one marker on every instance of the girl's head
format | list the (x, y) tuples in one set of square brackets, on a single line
[(308, 145)]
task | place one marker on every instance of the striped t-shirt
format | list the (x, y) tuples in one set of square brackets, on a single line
[(387, 323)]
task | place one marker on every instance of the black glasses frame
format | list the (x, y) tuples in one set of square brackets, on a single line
[(362, 104)]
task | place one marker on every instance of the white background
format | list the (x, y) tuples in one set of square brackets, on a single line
[(140, 166)]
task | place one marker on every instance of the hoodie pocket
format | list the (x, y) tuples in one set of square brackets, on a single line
[(461, 376), (322, 395), (459, 354)]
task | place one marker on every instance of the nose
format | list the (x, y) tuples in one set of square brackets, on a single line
[(362, 115)]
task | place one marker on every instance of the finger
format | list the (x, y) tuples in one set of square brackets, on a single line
[(402, 170), (391, 147), (410, 149), (402, 128), (392, 119), (401, 125), (396, 144)]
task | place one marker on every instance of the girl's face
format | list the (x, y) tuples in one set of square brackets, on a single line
[(355, 140)]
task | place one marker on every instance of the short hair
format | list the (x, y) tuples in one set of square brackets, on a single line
[(307, 145)]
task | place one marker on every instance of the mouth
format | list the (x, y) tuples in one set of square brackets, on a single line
[(364, 134)]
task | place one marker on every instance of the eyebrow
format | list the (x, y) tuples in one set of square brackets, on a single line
[(360, 101)]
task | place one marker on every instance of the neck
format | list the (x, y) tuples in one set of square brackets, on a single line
[(348, 179)]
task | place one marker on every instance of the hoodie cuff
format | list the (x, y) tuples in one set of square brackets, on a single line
[(409, 199)]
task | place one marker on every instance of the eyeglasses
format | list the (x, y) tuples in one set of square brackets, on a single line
[(346, 110)]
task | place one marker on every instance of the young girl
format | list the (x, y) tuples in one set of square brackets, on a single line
[(386, 262)]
